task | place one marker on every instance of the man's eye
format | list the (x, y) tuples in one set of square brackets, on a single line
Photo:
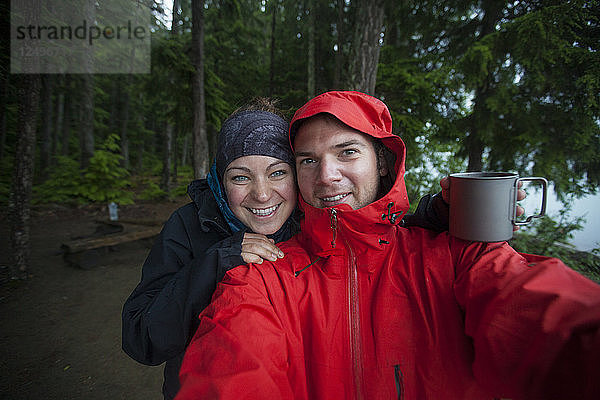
[(349, 152), (239, 178), (278, 173), (306, 161)]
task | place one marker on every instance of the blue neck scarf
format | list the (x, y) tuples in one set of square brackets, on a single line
[(215, 187)]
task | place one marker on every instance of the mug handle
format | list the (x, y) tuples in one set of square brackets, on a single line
[(544, 183)]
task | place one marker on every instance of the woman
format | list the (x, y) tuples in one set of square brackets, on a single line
[(246, 204)]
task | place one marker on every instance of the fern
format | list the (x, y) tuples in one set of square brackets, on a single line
[(152, 192), (63, 185), (104, 180)]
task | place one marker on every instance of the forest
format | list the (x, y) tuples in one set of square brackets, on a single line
[(472, 85)]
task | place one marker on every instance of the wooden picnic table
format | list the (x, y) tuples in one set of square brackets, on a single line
[(85, 252)]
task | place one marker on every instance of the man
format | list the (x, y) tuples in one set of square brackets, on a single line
[(360, 307)]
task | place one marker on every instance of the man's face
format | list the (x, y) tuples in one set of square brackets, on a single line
[(335, 164)]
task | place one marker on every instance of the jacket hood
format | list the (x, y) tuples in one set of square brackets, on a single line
[(370, 116), (209, 217)]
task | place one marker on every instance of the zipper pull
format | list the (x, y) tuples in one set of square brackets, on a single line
[(333, 225)]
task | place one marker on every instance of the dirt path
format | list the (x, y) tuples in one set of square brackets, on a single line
[(60, 335)]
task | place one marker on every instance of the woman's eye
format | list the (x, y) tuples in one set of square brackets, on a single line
[(278, 173), (239, 178)]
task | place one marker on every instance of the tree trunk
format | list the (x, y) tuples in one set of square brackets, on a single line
[(337, 73), (185, 150), (365, 48), (68, 107), (475, 149), (167, 150), (46, 124), (140, 159), (87, 101), (124, 121), (87, 119), (150, 138), (168, 138), (176, 17), (212, 142), (479, 133), (199, 137), (124, 136), (58, 117), (115, 96), (174, 157), (272, 61), (310, 87), (28, 95), (3, 103), (5, 18)]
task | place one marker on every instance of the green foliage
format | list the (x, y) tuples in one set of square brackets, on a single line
[(427, 163), (520, 79), (151, 164), (149, 189), (180, 190), (64, 184), (413, 95), (551, 237), (105, 179), (185, 173), (5, 179), (152, 191), (478, 62), (514, 83), (236, 55)]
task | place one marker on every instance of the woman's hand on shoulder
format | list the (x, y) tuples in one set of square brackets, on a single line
[(257, 247)]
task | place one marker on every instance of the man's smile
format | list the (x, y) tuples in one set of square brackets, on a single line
[(335, 198)]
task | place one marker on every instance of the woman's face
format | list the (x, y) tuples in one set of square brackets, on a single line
[(261, 192)]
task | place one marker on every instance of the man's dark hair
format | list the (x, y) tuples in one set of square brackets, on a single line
[(385, 158)]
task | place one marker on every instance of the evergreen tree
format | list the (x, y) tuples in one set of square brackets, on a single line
[(513, 84)]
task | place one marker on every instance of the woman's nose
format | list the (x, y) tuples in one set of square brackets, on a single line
[(261, 190)]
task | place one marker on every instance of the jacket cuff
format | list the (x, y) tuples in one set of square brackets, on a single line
[(431, 213), (229, 254)]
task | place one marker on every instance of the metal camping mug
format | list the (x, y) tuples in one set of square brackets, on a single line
[(483, 205)]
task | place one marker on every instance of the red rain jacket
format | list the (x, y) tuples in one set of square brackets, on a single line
[(360, 308)]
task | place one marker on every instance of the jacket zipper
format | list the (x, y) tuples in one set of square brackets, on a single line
[(354, 323), (354, 308), (399, 381), (333, 225)]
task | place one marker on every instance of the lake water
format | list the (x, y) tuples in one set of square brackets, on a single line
[(587, 207)]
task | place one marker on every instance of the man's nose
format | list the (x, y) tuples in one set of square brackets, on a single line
[(329, 172)]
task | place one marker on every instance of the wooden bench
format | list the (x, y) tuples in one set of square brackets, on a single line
[(86, 252)]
